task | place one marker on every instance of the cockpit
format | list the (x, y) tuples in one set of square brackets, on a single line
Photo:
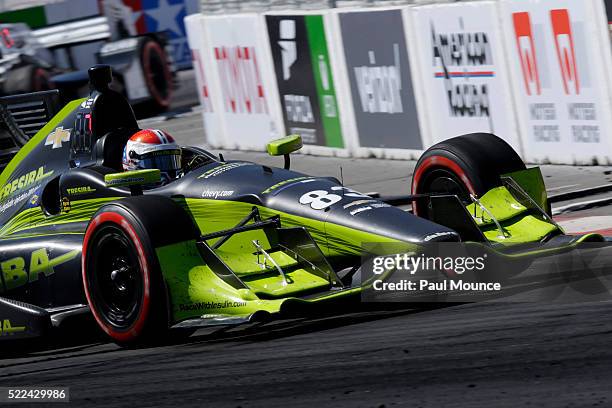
[(104, 123)]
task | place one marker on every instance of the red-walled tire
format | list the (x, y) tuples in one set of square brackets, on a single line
[(41, 80), (463, 165), (122, 279), (158, 77)]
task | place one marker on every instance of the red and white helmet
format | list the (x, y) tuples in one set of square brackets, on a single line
[(153, 149)]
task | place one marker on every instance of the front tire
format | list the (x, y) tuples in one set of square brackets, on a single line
[(122, 278), (463, 165)]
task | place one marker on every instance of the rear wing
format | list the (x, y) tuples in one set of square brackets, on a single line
[(21, 116), (76, 32)]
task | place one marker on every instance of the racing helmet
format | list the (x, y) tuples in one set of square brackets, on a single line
[(153, 149)]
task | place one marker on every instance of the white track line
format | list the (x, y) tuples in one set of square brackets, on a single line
[(561, 188)]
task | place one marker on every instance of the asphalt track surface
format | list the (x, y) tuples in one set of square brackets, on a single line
[(508, 354)]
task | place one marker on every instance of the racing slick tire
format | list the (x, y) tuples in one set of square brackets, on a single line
[(157, 75), (122, 278), (463, 165), (40, 79)]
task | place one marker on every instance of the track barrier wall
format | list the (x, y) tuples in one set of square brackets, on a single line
[(390, 82)]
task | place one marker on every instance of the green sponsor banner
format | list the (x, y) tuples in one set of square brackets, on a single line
[(34, 17), (304, 78), (324, 80)]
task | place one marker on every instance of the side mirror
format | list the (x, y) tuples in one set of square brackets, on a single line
[(134, 179), (284, 147)]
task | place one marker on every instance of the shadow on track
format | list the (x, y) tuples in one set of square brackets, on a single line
[(82, 337), (276, 329)]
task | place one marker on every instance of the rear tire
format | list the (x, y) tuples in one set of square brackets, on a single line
[(463, 165), (122, 278), (158, 77), (40, 80)]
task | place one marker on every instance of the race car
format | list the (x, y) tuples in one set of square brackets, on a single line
[(228, 242), (46, 58), (25, 64)]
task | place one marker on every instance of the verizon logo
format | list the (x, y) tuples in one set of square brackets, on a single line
[(240, 80), (564, 44), (526, 50), (380, 86)]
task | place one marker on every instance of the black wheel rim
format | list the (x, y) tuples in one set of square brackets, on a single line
[(445, 182), (441, 181), (114, 277), (158, 74)]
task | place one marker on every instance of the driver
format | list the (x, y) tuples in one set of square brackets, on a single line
[(153, 149)]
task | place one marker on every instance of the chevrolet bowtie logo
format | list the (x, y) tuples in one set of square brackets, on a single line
[(58, 136)]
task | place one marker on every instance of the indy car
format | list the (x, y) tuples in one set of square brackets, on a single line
[(25, 64), (229, 242), (46, 58)]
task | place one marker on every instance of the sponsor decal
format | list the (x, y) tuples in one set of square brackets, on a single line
[(380, 86), (438, 235), (11, 202), (360, 209), (17, 272), (86, 104), (564, 45), (7, 328), (287, 183), (66, 206), (217, 193), (34, 199), (210, 305), (359, 202), (80, 190), (369, 207), (241, 82), (23, 182), (525, 45), (222, 169), (131, 179), (58, 136), (465, 51)]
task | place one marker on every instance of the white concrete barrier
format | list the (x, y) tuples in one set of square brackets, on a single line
[(237, 70), (559, 56), (463, 68), (390, 82)]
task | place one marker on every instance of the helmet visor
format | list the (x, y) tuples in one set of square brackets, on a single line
[(165, 161)]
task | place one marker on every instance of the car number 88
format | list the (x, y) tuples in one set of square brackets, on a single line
[(321, 199)]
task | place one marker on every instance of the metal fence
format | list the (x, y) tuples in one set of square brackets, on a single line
[(244, 6)]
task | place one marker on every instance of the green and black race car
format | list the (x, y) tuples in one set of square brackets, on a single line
[(229, 241)]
